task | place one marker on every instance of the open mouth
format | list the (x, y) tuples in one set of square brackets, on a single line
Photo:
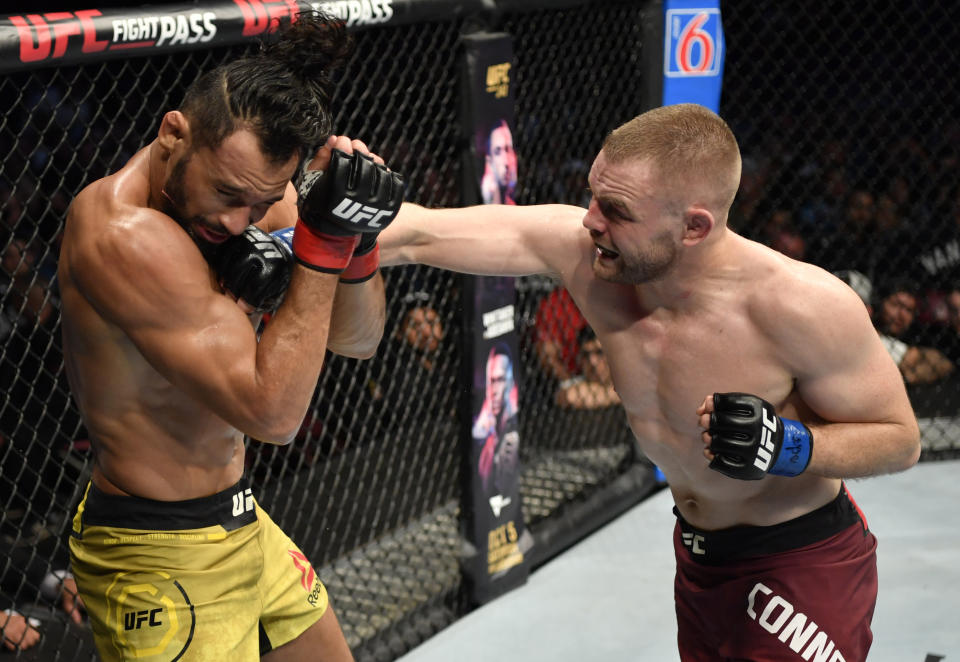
[(606, 253)]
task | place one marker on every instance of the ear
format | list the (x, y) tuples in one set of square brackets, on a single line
[(697, 224), (174, 132)]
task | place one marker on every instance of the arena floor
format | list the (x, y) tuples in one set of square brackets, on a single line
[(610, 597)]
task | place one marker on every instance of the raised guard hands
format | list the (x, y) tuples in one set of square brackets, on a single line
[(342, 210)]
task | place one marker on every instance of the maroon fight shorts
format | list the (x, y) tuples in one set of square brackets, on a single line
[(802, 590)]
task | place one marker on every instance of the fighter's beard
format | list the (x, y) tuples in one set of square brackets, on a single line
[(172, 204)]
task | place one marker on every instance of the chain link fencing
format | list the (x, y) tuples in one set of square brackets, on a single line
[(847, 119), (370, 489), (851, 149)]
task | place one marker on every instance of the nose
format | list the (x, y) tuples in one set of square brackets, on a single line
[(236, 220), (593, 220)]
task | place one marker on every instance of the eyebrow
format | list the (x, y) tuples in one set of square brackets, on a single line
[(615, 203), (234, 190)]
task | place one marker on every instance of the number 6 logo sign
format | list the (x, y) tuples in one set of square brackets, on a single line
[(694, 42)]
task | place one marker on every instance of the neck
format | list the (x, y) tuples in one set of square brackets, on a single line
[(697, 267), (155, 165)]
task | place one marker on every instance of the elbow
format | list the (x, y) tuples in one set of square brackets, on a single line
[(357, 347), (912, 447), (275, 426)]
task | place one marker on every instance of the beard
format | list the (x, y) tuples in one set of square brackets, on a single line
[(175, 204), (643, 266)]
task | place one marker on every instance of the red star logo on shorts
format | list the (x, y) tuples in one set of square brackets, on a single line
[(301, 563)]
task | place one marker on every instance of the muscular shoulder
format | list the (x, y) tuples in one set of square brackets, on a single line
[(807, 312), (119, 251)]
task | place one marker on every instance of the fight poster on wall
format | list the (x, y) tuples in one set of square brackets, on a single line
[(493, 516)]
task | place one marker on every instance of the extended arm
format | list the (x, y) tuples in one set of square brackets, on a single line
[(495, 240)]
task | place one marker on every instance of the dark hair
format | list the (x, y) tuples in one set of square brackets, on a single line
[(585, 335), (281, 93), (887, 287)]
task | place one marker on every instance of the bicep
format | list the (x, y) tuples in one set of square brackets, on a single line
[(165, 302), (849, 377)]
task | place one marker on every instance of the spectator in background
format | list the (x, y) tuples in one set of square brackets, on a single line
[(747, 210), (593, 387), (25, 296), (17, 632), (422, 330), (932, 257), (894, 317), (850, 244), (820, 213), (790, 242), (28, 569), (557, 323), (946, 337)]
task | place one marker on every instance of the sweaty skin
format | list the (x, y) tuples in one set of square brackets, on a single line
[(713, 312), (165, 366)]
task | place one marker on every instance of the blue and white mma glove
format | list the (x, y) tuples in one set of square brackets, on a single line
[(749, 440)]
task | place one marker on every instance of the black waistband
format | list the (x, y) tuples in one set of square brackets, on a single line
[(231, 508), (741, 542)]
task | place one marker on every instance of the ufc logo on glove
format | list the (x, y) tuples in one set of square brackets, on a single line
[(353, 211)]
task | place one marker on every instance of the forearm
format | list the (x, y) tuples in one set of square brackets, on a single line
[(491, 240), (856, 450), (356, 325), (288, 360)]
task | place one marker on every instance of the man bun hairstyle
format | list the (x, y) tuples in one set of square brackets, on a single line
[(281, 93)]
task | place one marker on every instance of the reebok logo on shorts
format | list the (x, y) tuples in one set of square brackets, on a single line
[(308, 578), (792, 627), (301, 563)]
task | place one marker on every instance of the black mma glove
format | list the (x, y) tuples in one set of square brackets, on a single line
[(749, 440), (254, 267), (354, 196)]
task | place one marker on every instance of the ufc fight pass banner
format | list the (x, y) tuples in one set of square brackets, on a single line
[(493, 517), (83, 35)]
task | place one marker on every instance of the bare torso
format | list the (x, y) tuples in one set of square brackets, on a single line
[(665, 361), (150, 438)]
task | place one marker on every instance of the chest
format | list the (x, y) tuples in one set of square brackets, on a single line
[(664, 365)]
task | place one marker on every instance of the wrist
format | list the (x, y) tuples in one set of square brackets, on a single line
[(795, 450), (363, 265), (321, 251)]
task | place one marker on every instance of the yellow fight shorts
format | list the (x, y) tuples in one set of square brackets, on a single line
[(205, 579)]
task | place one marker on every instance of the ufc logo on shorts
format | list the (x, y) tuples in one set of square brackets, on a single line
[(765, 452), (354, 212), (693, 541), (265, 248), (242, 502)]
